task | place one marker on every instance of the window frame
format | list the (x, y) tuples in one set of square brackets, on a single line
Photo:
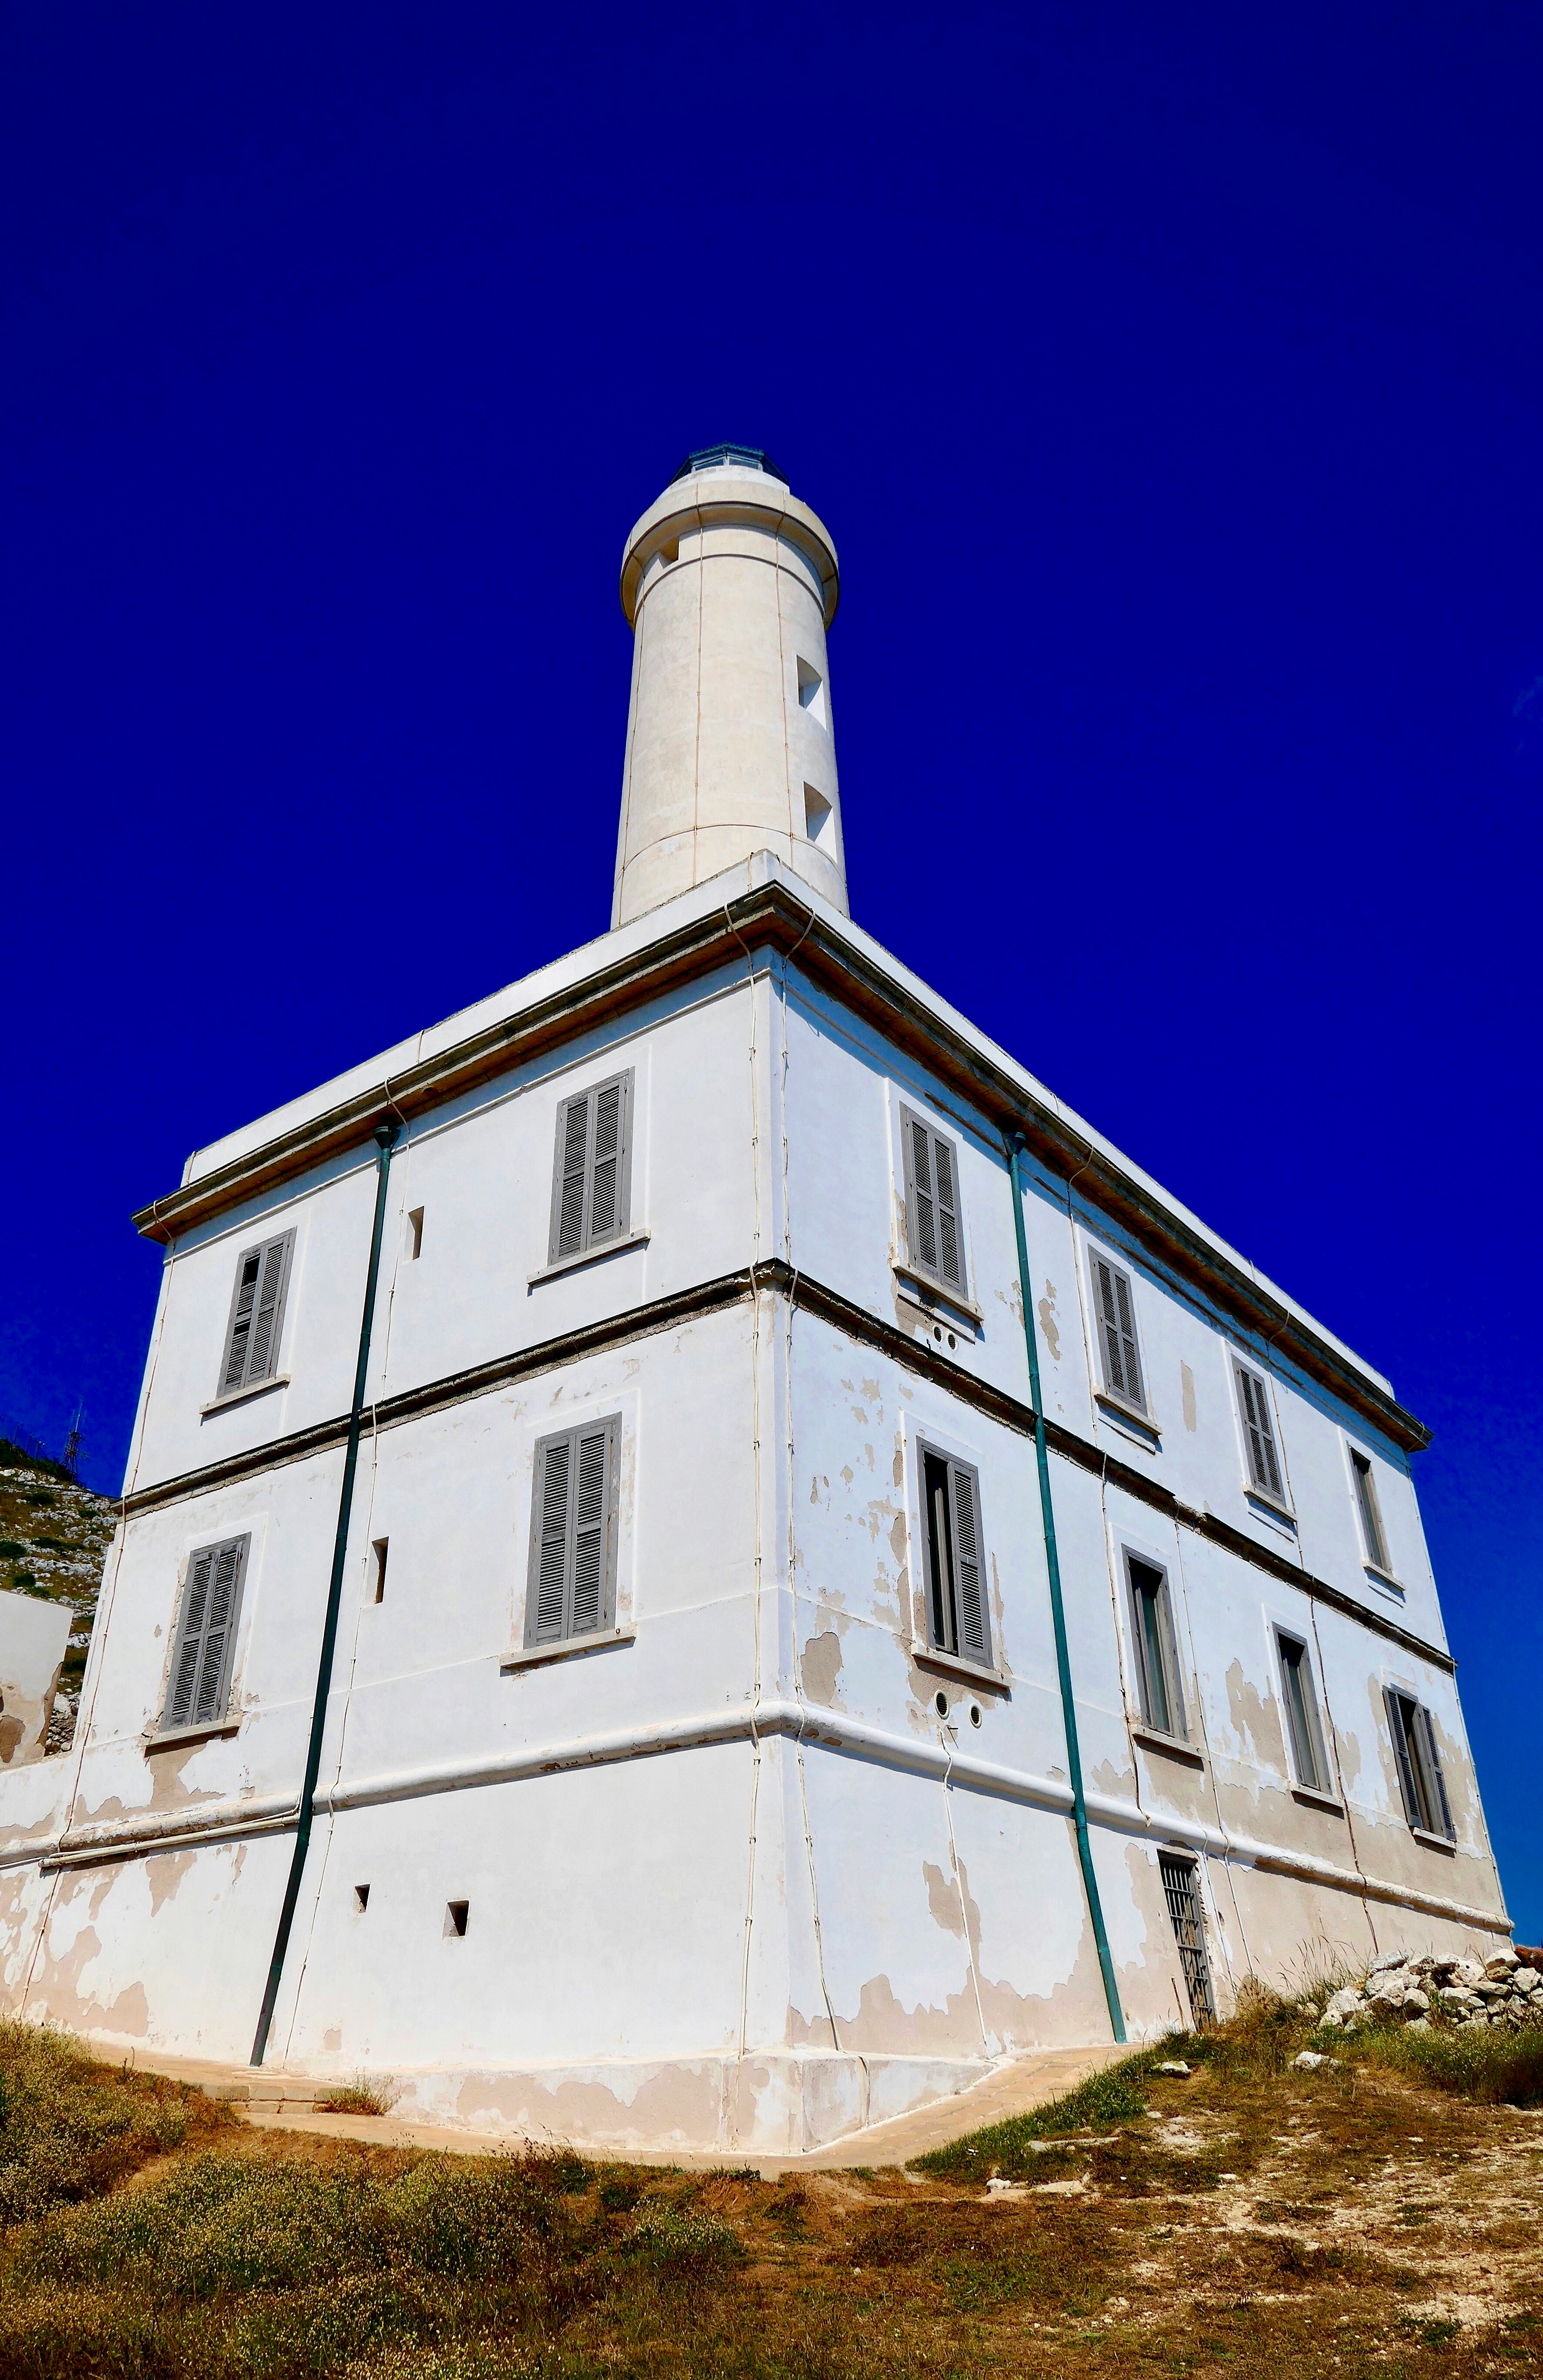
[(943, 1597), (1179, 1871), (248, 1382), (532, 1639), (1119, 1270), (1312, 1714), (1370, 1526), (1419, 1762), (911, 1119), (219, 1716), (591, 1243), (1246, 1369), (1170, 1670)]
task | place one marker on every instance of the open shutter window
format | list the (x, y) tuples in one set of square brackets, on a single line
[(1372, 1518), (1307, 1736), (590, 1188), (572, 1535), (1117, 1332), (256, 1316), (1440, 1809), (975, 1631), (932, 1197), (1254, 1399), (1399, 1711), (210, 1607)]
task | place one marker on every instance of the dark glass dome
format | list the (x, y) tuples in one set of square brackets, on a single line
[(753, 458)]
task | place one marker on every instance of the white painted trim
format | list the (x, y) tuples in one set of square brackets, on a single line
[(639, 1239), (529, 1656), (245, 1396)]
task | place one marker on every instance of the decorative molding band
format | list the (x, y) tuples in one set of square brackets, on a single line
[(816, 1727), (771, 915), (779, 1279)]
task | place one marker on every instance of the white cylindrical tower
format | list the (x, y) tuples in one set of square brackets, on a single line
[(729, 584)]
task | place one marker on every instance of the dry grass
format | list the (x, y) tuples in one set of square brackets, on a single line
[(1369, 2219), (367, 2094)]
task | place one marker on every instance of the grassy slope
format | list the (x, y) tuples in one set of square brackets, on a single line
[(1360, 2219)]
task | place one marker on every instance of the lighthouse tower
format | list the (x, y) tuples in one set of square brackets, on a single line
[(729, 585)]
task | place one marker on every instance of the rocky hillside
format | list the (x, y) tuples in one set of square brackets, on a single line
[(53, 1540)]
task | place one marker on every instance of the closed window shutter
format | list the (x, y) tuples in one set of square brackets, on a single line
[(1307, 1740), (572, 1535), (1263, 1468), (975, 1634), (206, 1637), (1398, 1707), (1157, 1651), (1441, 1811), (932, 1189), (590, 1190), (255, 1315), (1117, 1332)]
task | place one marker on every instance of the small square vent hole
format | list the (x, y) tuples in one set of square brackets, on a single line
[(455, 1915), (820, 820)]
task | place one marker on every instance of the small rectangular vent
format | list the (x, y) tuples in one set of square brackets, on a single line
[(455, 1915)]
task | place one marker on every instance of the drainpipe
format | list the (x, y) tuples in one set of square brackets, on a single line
[(1016, 1146), (385, 1141)]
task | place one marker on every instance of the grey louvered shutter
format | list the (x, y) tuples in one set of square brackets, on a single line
[(1404, 1755), (1440, 1809), (1253, 1397), (932, 1200), (1372, 1518), (206, 1635), (975, 1627), (257, 1315), (1117, 1332), (591, 1181), (572, 1535)]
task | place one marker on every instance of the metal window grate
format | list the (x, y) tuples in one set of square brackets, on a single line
[(1189, 1932)]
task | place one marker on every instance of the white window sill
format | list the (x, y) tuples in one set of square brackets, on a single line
[(1316, 1800), (1178, 1748), (165, 1737), (529, 1656), (588, 1256), (244, 1396), (959, 1665), (1434, 1843), (937, 1301), (1272, 1508), (1130, 1418), (1384, 1581)]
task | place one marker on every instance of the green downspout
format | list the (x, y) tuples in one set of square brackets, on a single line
[(1058, 1610), (385, 1141)]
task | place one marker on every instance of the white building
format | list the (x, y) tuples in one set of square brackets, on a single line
[(691, 1750)]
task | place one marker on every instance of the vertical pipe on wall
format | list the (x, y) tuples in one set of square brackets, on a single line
[(385, 1141), (1053, 1562)]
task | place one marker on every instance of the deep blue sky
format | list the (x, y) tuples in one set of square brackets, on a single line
[(1171, 383)]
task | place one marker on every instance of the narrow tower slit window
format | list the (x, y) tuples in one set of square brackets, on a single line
[(1309, 1757), (1368, 1510), (932, 1201), (415, 1233), (958, 1618), (590, 1184), (1421, 1778), (818, 819), (811, 693), (572, 1583), (1181, 1889), (256, 1324), (205, 1644), (1259, 1433), (379, 1551), (1114, 1313), (1157, 1651)]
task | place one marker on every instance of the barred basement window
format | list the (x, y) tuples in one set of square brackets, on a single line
[(572, 1585), (1308, 1758), (1114, 1321), (205, 1641), (958, 1619), (1259, 1433), (1419, 1765), (1157, 1651), (590, 1182), (256, 1322), (1181, 1890), (1368, 1507), (932, 1201)]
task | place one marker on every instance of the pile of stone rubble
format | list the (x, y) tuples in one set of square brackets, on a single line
[(1505, 1990)]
